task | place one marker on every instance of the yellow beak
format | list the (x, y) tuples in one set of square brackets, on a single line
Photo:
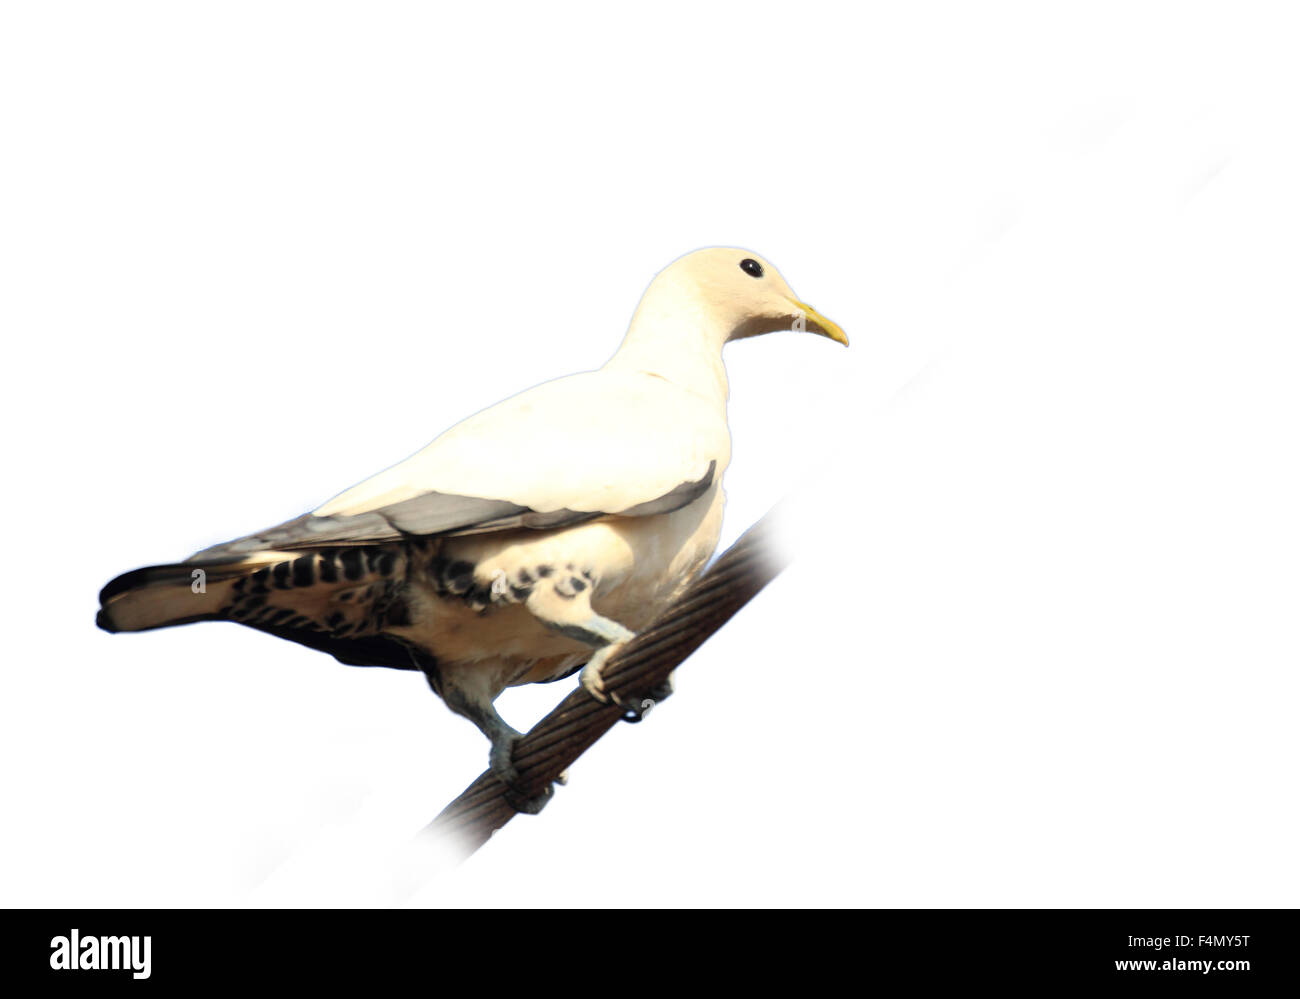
[(808, 318)]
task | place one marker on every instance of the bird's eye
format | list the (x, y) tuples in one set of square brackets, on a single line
[(751, 267)]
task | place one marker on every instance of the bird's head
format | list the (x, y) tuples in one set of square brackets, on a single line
[(741, 293)]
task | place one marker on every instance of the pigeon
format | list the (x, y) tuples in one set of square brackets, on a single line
[(527, 542)]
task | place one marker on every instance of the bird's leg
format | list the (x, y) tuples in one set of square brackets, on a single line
[(635, 709), (476, 705), (606, 637), (571, 614)]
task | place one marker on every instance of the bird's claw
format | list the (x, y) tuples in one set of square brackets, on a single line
[(593, 680), (529, 804), (634, 708), (501, 762)]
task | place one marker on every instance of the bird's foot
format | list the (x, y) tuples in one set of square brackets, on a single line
[(501, 762), (593, 680), (634, 708)]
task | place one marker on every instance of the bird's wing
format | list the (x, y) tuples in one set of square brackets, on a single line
[(594, 445)]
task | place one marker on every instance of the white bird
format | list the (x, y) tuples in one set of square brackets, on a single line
[(534, 537)]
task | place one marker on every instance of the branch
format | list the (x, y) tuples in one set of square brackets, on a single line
[(548, 749)]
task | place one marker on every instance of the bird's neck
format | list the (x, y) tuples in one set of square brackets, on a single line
[(679, 341)]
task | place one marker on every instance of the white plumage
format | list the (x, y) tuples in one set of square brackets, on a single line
[(532, 537)]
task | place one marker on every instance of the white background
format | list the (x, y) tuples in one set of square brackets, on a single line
[(1040, 644)]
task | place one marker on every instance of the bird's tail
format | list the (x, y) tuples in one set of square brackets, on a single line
[(161, 596)]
